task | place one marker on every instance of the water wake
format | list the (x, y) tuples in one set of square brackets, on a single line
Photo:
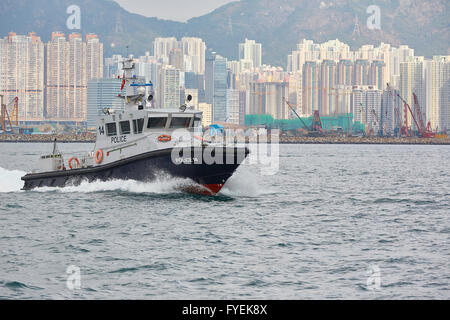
[(10, 180), (159, 186), (243, 183)]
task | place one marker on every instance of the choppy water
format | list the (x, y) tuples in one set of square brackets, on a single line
[(312, 231)]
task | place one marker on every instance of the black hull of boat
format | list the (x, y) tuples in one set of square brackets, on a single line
[(147, 167)]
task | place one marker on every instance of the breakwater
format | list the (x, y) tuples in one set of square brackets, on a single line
[(363, 140), (44, 138), (90, 138)]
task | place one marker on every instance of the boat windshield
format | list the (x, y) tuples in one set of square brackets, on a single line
[(180, 122)]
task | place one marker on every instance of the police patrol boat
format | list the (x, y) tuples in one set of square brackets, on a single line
[(142, 143)]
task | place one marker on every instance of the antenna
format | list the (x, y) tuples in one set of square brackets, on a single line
[(356, 30)]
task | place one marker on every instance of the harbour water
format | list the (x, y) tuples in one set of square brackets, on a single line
[(335, 222)]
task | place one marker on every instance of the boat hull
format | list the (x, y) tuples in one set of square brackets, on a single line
[(148, 166)]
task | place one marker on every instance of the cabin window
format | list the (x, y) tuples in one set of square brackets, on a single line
[(197, 121), (180, 122), (138, 125), (111, 129), (125, 127), (155, 123)]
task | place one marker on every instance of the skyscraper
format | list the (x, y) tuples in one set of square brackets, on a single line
[(168, 91), (102, 93), (377, 76), (70, 64), (56, 76), (216, 76), (75, 105), (194, 51), (437, 79), (267, 98), (412, 81), (310, 88), (251, 51), (22, 74), (233, 106), (327, 88), (361, 72), (176, 59), (366, 103), (162, 48), (94, 57), (345, 72)]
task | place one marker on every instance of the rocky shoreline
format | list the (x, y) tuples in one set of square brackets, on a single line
[(44, 138), (90, 138), (364, 140)]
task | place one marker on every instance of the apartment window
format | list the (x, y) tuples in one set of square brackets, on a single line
[(125, 127), (111, 129), (138, 125)]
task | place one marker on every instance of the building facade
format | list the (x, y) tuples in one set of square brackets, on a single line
[(22, 74)]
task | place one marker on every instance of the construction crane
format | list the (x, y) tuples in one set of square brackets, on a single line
[(295, 112), (407, 107), (9, 118), (382, 126), (316, 127), (403, 129), (424, 132), (317, 123)]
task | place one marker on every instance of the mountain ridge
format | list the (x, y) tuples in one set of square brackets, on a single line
[(278, 24)]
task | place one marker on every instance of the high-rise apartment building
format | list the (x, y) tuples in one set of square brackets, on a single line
[(70, 64), (194, 50), (267, 98), (206, 108), (366, 103), (251, 51), (22, 74), (162, 48), (233, 103), (437, 86), (327, 85), (412, 80), (361, 72), (56, 76), (377, 74), (168, 90), (310, 88), (94, 57)]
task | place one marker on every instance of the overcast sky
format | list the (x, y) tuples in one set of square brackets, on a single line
[(179, 10)]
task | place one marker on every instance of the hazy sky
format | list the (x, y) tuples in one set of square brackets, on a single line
[(179, 10)]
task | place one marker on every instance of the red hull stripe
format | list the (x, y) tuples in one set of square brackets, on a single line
[(214, 188)]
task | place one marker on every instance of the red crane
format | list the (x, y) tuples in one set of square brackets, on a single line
[(424, 132), (317, 122), (407, 107)]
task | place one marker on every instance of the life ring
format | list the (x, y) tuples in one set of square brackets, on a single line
[(76, 160), (164, 138), (99, 156)]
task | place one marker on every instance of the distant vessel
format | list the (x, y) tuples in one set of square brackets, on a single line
[(140, 143)]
